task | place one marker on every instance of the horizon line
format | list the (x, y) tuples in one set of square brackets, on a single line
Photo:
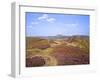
[(58, 35)]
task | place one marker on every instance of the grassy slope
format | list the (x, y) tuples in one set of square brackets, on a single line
[(67, 51)]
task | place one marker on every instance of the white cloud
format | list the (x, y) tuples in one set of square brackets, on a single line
[(72, 24), (32, 24), (75, 24), (47, 18), (44, 16), (51, 20)]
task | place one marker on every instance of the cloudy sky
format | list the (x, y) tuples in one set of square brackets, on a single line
[(46, 24)]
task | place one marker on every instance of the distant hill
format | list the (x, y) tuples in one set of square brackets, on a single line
[(63, 37)]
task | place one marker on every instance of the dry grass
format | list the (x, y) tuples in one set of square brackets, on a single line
[(57, 52)]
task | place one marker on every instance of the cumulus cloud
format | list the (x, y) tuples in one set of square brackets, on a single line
[(44, 16), (51, 20), (47, 18)]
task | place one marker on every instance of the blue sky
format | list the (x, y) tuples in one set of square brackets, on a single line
[(47, 24)]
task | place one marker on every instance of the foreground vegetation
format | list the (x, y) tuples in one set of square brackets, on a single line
[(57, 51)]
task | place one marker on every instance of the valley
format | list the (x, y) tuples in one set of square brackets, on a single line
[(57, 50)]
